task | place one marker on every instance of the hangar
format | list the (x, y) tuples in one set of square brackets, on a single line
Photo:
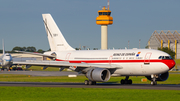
[(166, 38)]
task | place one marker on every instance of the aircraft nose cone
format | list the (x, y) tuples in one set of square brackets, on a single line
[(171, 64)]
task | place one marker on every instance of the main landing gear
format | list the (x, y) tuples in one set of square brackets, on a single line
[(89, 82), (126, 81)]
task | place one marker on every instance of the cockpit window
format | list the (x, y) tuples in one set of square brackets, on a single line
[(160, 57), (165, 57)]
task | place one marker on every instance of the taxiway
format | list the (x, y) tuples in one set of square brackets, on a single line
[(99, 85)]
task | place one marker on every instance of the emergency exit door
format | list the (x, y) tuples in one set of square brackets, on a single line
[(147, 58)]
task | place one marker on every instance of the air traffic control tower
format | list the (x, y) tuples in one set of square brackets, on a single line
[(104, 19)]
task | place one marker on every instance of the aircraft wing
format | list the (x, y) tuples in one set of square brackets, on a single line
[(60, 64)]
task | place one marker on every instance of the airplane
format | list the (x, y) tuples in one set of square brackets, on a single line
[(5, 59), (100, 65)]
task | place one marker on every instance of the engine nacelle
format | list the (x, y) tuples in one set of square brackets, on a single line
[(160, 77), (98, 74)]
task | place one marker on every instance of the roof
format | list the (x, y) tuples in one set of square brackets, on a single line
[(166, 35)]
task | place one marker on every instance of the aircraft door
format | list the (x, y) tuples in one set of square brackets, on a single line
[(67, 56), (147, 58)]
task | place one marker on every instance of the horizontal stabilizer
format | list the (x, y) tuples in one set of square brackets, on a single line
[(39, 54)]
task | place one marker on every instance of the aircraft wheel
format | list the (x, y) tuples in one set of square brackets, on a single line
[(122, 81), (86, 82), (153, 83), (126, 81), (90, 82), (94, 83), (130, 81)]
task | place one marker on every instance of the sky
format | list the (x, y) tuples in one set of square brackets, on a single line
[(21, 22)]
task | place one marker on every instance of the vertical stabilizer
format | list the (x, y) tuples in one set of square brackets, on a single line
[(56, 40), (3, 46)]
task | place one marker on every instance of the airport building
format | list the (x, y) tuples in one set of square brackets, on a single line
[(166, 38)]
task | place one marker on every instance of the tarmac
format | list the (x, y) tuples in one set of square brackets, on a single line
[(98, 85), (78, 85)]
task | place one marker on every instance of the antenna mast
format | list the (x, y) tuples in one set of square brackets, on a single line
[(108, 4)]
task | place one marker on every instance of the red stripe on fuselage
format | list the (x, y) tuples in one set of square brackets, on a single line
[(169, 62)]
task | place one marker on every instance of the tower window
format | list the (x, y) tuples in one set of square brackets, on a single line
[(100, 13), (104, 13), (109, 13)]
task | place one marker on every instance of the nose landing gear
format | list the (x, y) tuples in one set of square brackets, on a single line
[(153, 80)]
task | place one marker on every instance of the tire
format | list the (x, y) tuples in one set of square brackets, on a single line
[(86, 82), (130, 81), (90, 82), (94, 83), (122, 82), (153, 83)]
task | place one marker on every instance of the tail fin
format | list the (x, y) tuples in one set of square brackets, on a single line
[(57, 41), (3, 46)]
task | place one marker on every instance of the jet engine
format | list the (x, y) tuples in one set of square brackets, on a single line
[(160, 77), (98, 74)]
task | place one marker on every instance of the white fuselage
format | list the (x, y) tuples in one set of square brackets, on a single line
[(6, 60), (134, 62)]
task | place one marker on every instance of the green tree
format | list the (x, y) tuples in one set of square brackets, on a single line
[(169, 51), (18, 49), (31, 49), (40, 51)]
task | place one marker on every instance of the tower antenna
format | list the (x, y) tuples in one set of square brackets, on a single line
[(108, 4)]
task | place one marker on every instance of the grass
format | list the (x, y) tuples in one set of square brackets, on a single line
[(173, 79), (82, 94), (177, 61), (40, 68)]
